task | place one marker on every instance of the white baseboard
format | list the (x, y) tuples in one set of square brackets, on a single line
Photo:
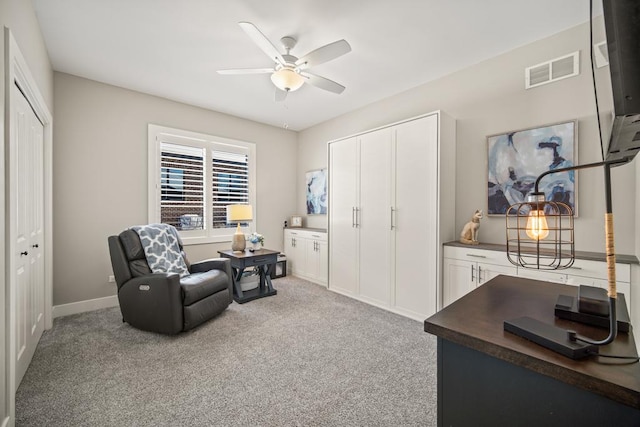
[(82, 306)]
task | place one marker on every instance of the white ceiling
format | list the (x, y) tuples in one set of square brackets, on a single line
[(172, 48)]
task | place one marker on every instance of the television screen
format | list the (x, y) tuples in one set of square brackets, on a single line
[(622, 26)]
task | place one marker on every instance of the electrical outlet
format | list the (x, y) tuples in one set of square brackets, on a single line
[(112, 279)]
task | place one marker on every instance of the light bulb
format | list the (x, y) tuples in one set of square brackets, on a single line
[(537, 227)]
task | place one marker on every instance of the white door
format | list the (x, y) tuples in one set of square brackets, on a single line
[(294, 249), (323, 258), (311, 257), (415, 216), (459, 278), (375, 216), (343, 202), (29, 189)]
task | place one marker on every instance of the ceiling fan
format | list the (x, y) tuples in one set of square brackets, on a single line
[(289, 72)]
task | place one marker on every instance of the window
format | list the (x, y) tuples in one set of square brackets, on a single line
[(193, 177)]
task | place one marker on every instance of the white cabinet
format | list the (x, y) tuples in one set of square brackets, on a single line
[(390, 202), (307, 256), (465, 269)]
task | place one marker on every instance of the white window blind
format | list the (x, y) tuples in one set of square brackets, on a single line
[(230, 173), (192, 179), (182, 201)]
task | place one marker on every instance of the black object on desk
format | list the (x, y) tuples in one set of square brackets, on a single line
[(263, 259)]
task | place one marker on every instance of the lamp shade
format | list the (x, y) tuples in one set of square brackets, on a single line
[(237, 213), (287, 79), (540, 234)]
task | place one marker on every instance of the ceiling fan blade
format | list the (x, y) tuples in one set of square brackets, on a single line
[(280, 95), (247, 71), (324, 54), (323, 83), (263, 43)]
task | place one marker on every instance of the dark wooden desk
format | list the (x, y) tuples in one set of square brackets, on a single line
[(487, 376), (263, 259)]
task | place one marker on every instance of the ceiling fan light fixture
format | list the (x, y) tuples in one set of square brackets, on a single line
[(287, 79)]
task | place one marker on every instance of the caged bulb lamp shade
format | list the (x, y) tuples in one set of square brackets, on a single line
[(287, 79), (239, 213), (540, 234)]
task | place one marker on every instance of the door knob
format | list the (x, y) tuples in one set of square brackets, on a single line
[(24, 253), (35, 246)]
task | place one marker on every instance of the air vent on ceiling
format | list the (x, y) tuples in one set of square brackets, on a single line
[(552, 71), (601, 54)]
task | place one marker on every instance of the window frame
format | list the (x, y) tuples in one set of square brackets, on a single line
[(159, 134)]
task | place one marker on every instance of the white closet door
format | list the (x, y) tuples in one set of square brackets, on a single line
[(416, 220), (29, 189), (343, 194), (375, 216)]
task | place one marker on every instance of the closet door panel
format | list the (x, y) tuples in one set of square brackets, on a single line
[(416, 220), (343, 196), (374, 219)]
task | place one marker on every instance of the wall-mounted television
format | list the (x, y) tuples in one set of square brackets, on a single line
[(622, 26)]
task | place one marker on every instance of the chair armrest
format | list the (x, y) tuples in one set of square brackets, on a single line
[(211, 264), (223, 264), (153, 302)]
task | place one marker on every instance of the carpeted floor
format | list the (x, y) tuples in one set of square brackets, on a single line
[(306, 357)]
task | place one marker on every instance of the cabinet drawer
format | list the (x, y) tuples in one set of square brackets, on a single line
[(261, 260), (306, 234), (598, 270), (477, 255), (313, 235)]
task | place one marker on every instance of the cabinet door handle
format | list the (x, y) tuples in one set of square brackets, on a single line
[(479, 275), (392, 218), (24, 253), (476, 256), (35, 246), (353, 217), (357, 217), (473, 270)]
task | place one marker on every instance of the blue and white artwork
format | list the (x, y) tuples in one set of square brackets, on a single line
[(317, 192), (516, 159)]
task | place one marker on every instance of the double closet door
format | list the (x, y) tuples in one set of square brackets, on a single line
[(27, 184), (384, 229)]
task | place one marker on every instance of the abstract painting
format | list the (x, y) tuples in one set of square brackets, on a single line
[(317, 192), (516, 159)]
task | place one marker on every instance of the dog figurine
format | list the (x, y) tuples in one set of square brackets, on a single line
[(469, 235)]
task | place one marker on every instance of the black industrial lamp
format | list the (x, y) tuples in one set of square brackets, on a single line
[(540, 236)]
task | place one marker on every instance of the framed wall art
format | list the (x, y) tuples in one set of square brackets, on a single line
[(517, 158), (317, 192)]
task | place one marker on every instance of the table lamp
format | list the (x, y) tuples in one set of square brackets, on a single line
[(540, 236), (239, 213)]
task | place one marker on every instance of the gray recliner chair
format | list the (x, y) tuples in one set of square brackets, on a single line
[(163, 302)]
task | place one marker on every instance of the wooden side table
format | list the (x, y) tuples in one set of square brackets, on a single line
[(263, 259)]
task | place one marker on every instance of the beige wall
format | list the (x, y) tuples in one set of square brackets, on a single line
[(100, 176), (489, 98)]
